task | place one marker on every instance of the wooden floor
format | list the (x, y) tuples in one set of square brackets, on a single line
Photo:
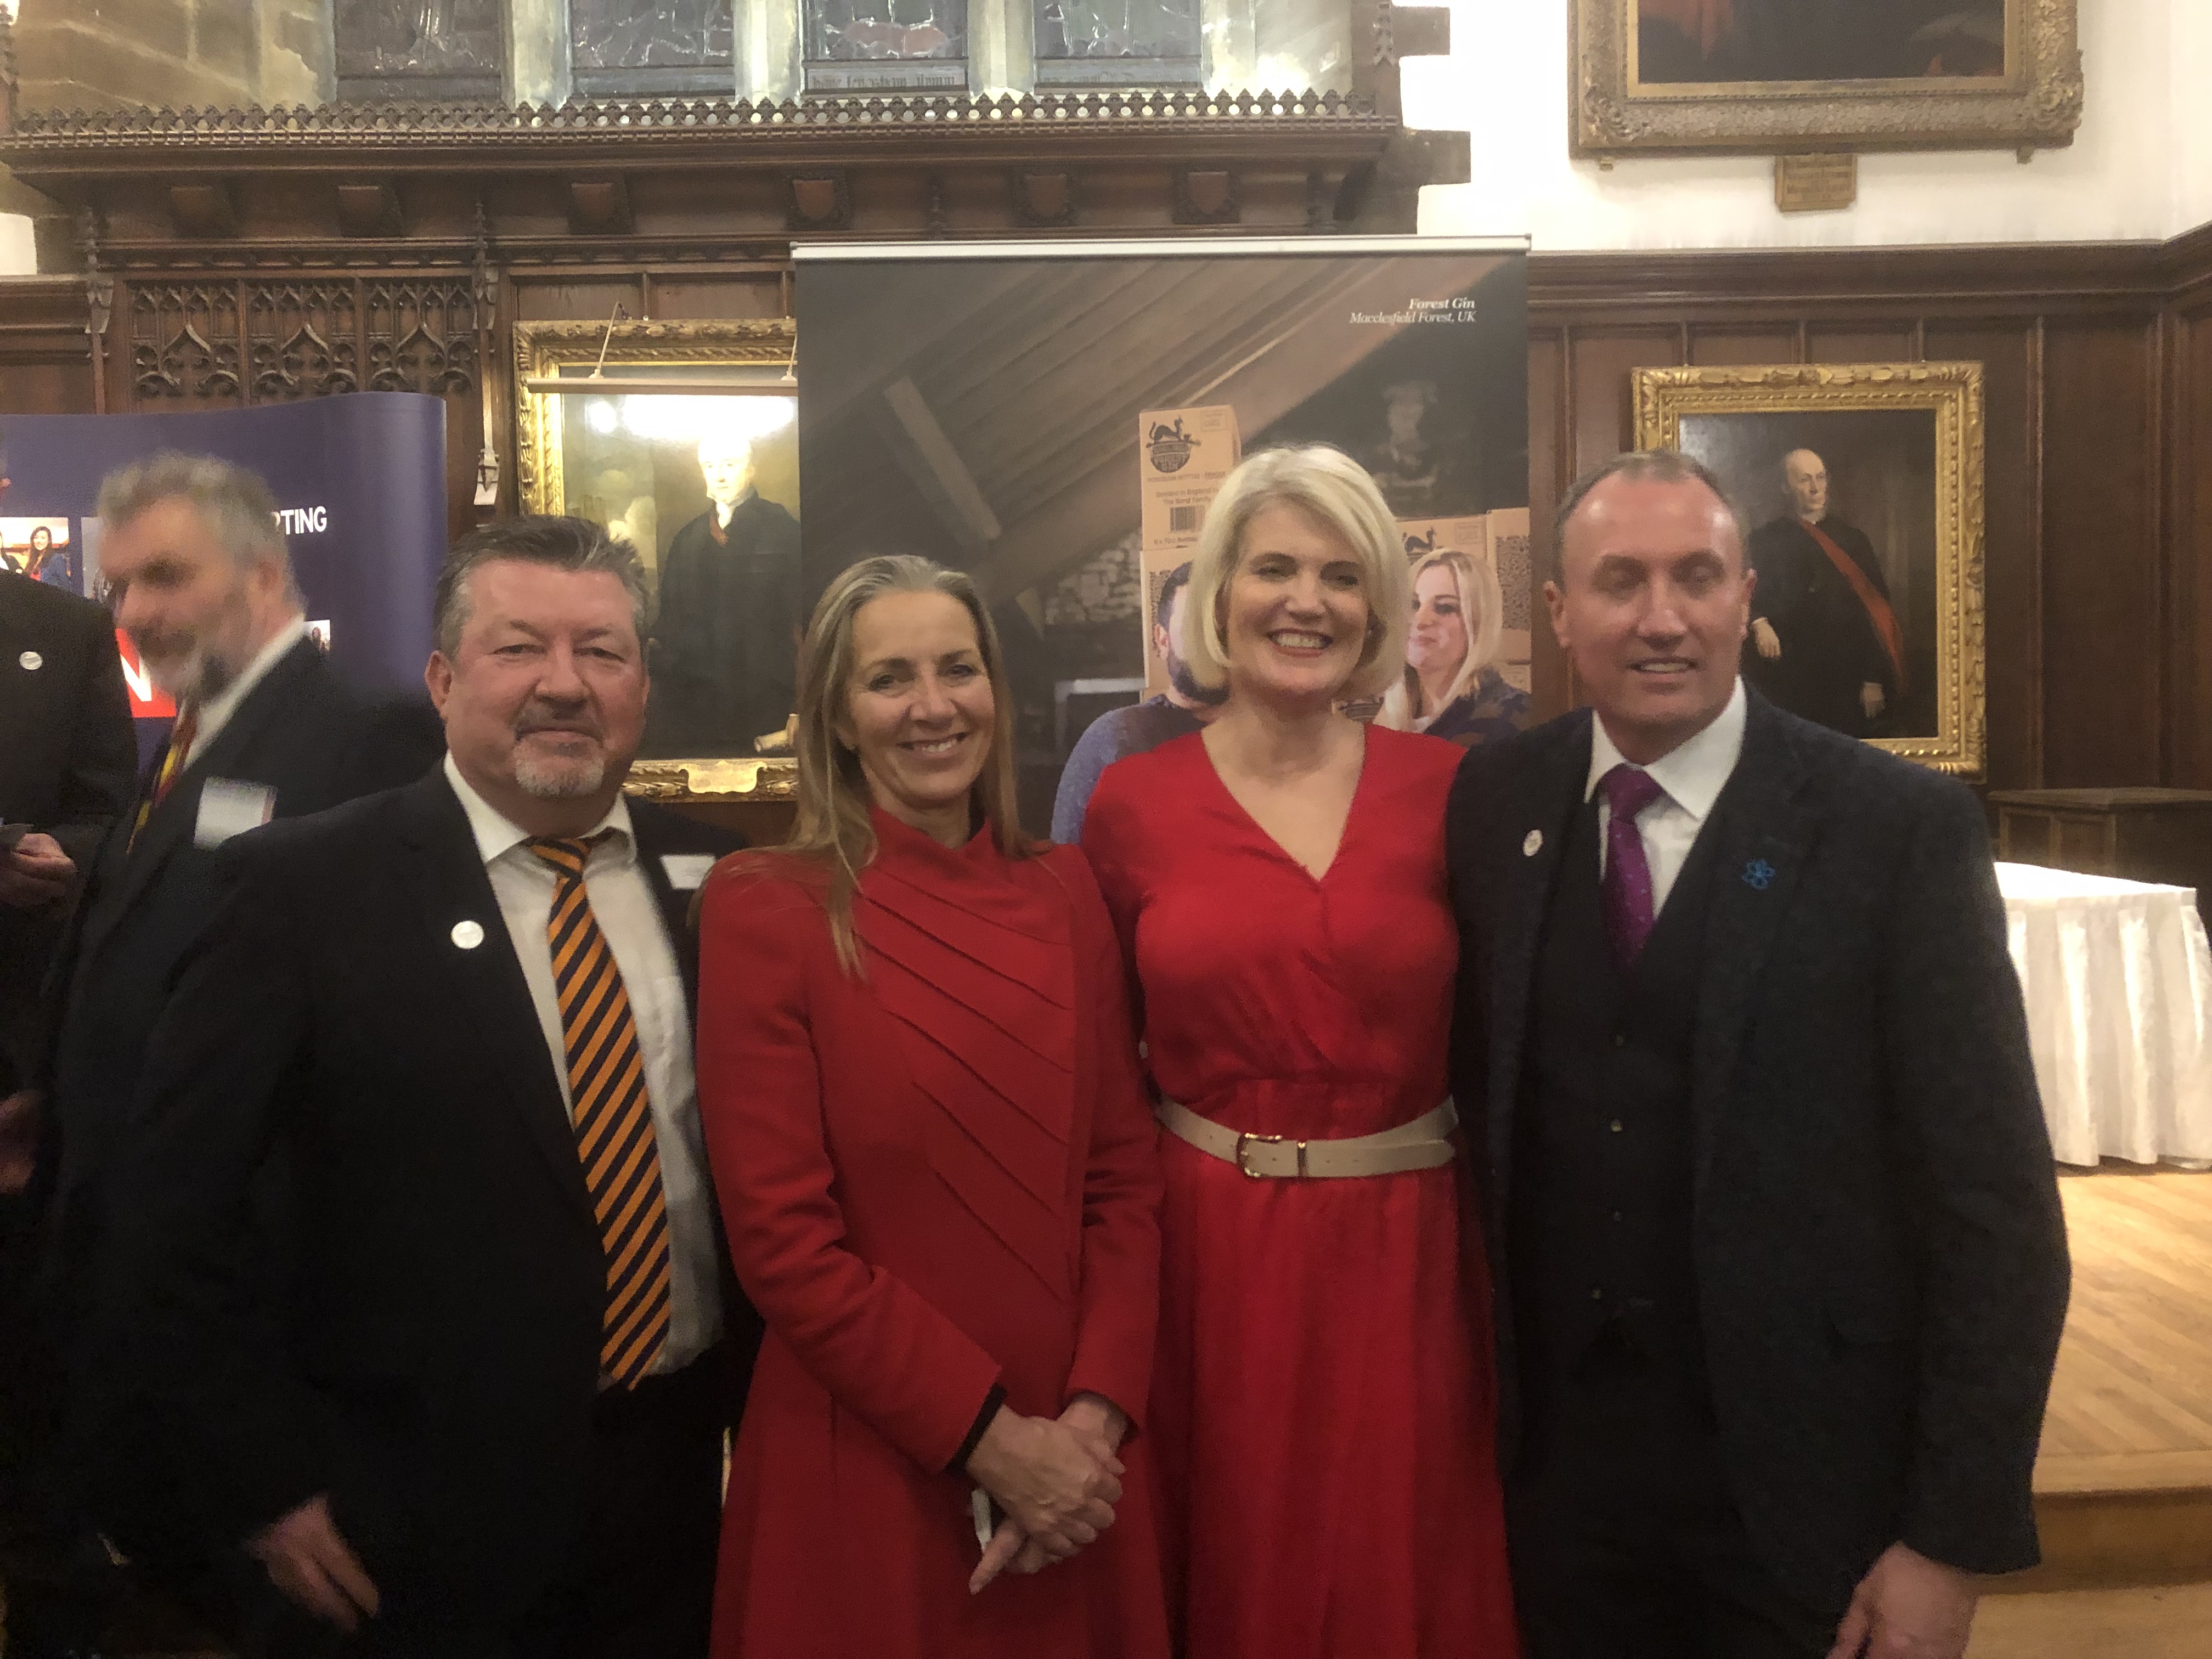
[(2131, 1405), (2170, 1623)]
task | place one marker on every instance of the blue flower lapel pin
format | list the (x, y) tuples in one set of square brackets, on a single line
[(1758, 875)]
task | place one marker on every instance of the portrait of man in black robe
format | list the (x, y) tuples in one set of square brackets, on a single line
[(1825, 642), (725, 637)]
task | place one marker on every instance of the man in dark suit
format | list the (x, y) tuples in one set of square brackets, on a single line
[(486, 1414), (1825, 642), (67, 761), (1773, 1222), (67, 764), (265, 729), (725, 634)]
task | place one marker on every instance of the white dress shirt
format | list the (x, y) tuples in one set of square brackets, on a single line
[(216, 712), (622, 900), (1690, 779)]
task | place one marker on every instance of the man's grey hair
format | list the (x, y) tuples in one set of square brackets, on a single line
[(575, 544), (1644, 466), (232, 502)]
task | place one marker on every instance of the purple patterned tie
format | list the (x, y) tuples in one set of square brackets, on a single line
[(1626, 889)]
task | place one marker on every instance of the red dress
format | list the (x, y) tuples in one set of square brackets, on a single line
[(1322, 1410), (935, 1179)]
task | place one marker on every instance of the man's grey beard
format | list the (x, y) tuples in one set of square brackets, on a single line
[(201, 678), (559, 780)]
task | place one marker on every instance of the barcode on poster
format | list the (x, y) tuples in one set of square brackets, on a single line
[(1182, 520)]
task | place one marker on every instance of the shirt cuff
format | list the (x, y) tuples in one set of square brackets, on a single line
[(991, 1401)]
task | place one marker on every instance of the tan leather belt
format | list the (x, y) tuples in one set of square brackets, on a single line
[(1424, 1144)]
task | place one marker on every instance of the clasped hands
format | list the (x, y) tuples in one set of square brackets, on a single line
[(310, 1561), (1057, 1480)]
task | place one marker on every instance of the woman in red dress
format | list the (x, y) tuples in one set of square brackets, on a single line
[(1323, 1410), (918, 1083)]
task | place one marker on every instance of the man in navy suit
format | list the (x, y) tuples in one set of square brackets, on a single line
[(1780, 1264), (429, 1075)]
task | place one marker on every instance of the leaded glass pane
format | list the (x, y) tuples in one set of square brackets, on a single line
[(858, 46), (1120, 43), (627, 47), (416, 48)]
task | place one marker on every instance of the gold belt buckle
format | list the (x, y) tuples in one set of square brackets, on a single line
[(1251, 1174)]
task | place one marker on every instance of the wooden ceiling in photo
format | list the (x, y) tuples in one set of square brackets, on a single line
[(1034, 374)]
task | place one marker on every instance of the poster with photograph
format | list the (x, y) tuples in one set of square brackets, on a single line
[(360, 486), (41, 549), (1184, 454), (989, 405)]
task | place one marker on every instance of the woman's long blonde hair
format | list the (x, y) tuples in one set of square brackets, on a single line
[(1475, 580), (833, 827)]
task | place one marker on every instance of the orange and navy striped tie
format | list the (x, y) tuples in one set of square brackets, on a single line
[(174, 758), (612, 1116)]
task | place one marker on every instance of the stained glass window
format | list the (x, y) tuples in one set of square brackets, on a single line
[(416, 48), (861, 46), (629, 48), (1118, 43)]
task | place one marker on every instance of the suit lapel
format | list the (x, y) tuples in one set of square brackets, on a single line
[(1767, 824), (491, 990), (1541, 820)]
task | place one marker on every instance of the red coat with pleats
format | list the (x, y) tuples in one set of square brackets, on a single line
[(937, 1177)]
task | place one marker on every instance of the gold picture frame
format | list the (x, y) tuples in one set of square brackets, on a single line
[(707, 350), (1899, 445), (2033, 100)]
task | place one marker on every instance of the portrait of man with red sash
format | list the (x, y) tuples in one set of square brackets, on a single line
[(1825, 640)]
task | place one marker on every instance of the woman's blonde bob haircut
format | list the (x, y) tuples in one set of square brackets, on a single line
[(1335, 490), (833, 826), (1481, 609)]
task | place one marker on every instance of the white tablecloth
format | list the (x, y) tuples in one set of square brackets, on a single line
[(2118, 982)]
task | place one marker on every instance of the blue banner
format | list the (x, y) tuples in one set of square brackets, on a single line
[(360, 483)]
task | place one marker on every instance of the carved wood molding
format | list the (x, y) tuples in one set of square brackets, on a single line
[(243, 340), (648, 128)]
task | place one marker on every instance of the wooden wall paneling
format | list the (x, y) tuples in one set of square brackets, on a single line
[(1549, 443), (552, 299), (2102, 682), (1598, 365), (1860, 344), (46, 347), (758, 293), (2012, 544), (2190, 548), (1717, 346)]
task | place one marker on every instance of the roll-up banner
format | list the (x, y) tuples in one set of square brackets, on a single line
[(360, 486), (1055, 417)]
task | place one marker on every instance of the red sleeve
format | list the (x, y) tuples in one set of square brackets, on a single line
[(880, 1350), (1111, 830), (1119, 1310)]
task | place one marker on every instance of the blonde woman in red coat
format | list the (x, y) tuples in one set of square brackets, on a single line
[(938, 1171)]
